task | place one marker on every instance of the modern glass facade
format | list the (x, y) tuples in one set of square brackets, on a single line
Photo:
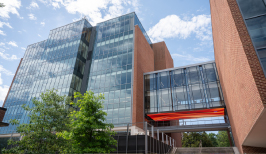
[(57, 62), (112, 66), (64, 61), (185, 88), (254, 14)]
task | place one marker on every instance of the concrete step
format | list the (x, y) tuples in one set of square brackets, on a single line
[(205, 150)]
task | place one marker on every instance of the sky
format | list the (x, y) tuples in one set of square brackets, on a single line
[(184, 25)]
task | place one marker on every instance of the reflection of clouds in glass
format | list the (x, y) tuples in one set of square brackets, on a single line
[(198, 121)]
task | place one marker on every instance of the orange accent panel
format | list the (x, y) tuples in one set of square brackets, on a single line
[(187, 114)]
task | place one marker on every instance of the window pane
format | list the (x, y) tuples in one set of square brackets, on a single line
[(193, 75), (178, 78), (209, 73), (164, 80), (252, 8)]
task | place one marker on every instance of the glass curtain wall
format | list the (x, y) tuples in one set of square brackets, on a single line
[(254, 14), (111, 69), (194, 87), (57, 62)]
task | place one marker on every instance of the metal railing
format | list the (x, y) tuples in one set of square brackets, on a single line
[(153, 136)]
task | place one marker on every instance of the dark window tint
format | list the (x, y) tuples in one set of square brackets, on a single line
[(209, 73), (262, 53), (251, 8), (263, 62), (257, 30)]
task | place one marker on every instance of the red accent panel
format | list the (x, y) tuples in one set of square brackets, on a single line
[(187, 114)]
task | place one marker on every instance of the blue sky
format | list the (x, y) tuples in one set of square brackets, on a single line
[(184, 25)]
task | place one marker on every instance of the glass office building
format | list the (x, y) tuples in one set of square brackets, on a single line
[(111, 69), (75, 58), (254, 15), (57, 62), (183, 88)]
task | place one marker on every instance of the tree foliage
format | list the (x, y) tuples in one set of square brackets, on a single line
[(222, 139), (213, 138), (2, 5), (192, 139), (89, 133), (47, 117)]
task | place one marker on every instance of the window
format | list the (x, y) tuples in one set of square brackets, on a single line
[(164, 80), (193, 75), (251, 8)]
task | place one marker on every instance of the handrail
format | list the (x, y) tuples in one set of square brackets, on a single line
[(148, 130)]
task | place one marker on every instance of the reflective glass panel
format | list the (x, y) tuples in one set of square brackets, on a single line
[(188, 88), (252, 8)]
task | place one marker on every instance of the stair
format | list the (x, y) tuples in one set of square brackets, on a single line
[(173, 150), (212, 150)]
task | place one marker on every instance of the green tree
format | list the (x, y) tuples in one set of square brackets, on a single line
[(89, 133), (2, 5), (213, 138), (192, 139), (46, 117), (222, 139)]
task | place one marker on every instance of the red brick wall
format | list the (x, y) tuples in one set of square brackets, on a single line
[(162, 57), (178, 139), (147, 59), (143, 62), (2, 114), (12, 82), (168, 58), (241, 76), (248, 149)]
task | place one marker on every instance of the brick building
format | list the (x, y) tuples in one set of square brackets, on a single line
[(140, 83), (239, 45)]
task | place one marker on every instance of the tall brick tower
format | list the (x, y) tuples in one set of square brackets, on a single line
[(239, 35)]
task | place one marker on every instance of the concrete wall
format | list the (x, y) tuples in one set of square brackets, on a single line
[(241, 76)]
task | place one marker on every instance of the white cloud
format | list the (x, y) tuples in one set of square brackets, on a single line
[(3, 90), (1, 26), (1, 80), (5, 71), (2, 44), (189, 57), (173, 26), (42, 23), (7, 56), (4, 23), (39, 35), (76, 19), (23, 48), (55, 5), (11, 7), (33, 5), (12, 43), (32, 17), (2, 33), (95, 10)]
